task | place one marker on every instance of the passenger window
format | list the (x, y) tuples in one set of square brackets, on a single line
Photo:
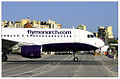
[(7, 35), (10, 35), (17, 35), (36, 35), (14, 35), (33, 35), (4, 35), (22, 35)]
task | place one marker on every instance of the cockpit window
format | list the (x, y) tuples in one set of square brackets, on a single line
[(90, 36)]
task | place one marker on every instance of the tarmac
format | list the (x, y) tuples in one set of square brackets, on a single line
[(60, 66)]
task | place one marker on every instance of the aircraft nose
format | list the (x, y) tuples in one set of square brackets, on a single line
[(101, 43)]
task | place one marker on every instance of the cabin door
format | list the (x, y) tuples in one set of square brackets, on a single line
[(76, 36)]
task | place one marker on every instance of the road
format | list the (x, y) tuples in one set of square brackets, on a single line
[(58, 66)]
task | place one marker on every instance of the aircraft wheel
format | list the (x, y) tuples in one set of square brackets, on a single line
[(4, 58), (75, 59)]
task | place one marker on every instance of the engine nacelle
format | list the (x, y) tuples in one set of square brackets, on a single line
[(31, 51)]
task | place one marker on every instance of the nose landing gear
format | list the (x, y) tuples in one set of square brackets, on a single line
[(75, 57)]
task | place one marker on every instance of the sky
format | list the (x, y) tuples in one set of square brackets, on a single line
[(69, 14)]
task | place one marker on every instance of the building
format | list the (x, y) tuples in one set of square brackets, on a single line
[(18, 24), (82, 27), (24, 21), (59, 26), (7, 24), (34, 24), (44, 24), (105, 34), (109, 32), (28, 25), (3, 24), (101, 32), (53, 24)]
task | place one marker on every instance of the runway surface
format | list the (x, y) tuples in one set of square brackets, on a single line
[(56, 66)]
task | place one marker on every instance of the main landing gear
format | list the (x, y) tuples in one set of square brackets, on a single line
[(75, 57), (4, 57)]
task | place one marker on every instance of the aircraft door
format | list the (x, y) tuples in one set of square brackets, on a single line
[(76, 36)]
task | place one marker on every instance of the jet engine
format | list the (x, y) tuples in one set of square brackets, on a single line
[(31, 51)]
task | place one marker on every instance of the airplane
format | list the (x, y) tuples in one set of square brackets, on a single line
[(42, 39)]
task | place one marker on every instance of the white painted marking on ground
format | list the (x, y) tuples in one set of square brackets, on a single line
[(53, 67), (42, 67), (29, 70), (14, 68), (108, 70)]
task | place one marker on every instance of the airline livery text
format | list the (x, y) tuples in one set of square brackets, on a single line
[(48, 32)]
